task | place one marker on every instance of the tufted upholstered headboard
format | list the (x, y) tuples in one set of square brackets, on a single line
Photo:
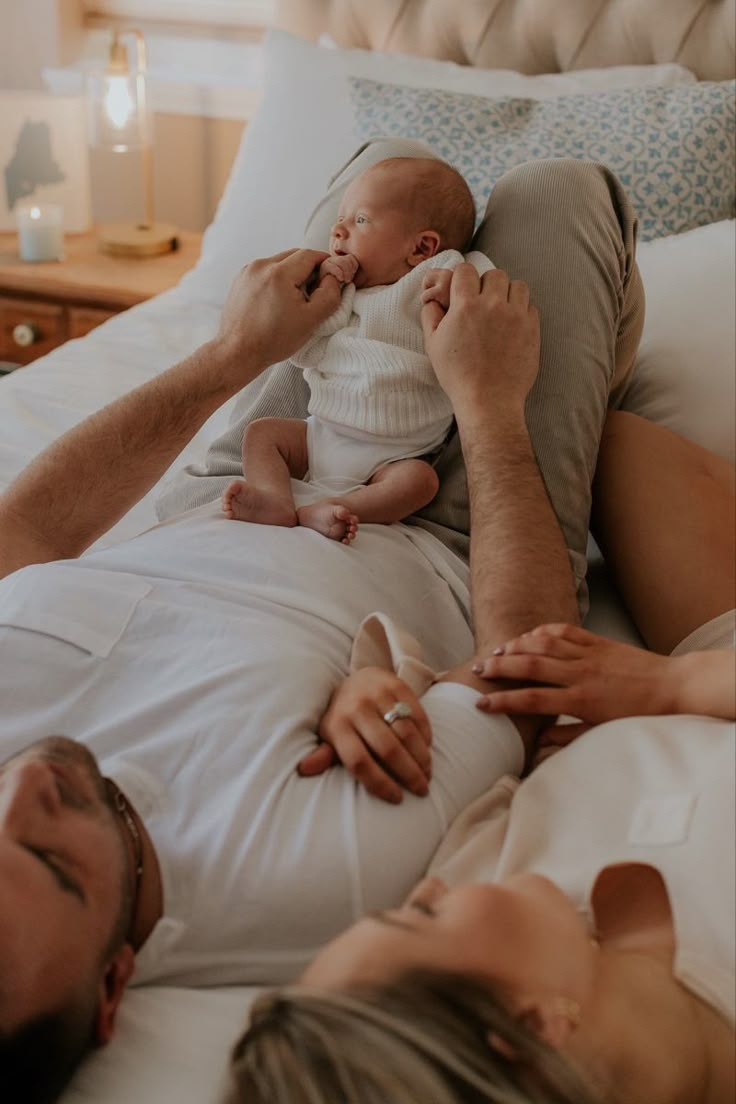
[(532, 36)]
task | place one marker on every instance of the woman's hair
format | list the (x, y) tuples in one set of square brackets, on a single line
[(425, 1038)]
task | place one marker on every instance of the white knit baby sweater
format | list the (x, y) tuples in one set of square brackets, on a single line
[(366, 366)]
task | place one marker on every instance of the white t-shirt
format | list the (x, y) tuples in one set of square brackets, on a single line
[(654, 790), (196, 661)]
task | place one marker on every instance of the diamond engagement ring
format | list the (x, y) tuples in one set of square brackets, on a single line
[(401, 709)]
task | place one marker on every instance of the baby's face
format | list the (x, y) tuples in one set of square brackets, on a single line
[(376, 225)]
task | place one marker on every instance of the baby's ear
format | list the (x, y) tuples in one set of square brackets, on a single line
[(426, 245)]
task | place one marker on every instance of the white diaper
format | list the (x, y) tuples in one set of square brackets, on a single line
[(342, 458)]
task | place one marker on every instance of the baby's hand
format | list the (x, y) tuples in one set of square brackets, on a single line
[(436, 287), (343, 268)]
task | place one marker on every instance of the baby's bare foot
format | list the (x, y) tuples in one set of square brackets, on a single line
[(245, 503), (331, 519)]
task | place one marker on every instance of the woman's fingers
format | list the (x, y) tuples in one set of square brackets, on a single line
[(379, 761), (551, 647), (399, 748), (561, 630), (574, 633), (317, 762), (542, 700), (528, 666), (383, 755)]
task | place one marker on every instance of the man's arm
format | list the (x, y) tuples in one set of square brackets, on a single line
[(87, 480), (485, 352)]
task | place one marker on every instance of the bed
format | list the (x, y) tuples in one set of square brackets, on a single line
[(431, 68)]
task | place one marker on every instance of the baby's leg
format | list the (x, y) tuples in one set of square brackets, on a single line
[(274, 450), (394, 492)]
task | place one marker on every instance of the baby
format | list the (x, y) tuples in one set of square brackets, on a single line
[(376, 411)]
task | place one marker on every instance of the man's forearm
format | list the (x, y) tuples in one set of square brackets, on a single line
[(81, 485), (84, 483), (520, 573), (520, 568)]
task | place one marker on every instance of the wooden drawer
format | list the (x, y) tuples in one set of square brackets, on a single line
[(84, 319), (46, 327)]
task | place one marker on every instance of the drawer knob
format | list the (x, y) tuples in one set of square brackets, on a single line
[(25, 333)]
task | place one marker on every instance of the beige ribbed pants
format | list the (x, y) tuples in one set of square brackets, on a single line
[(565, 227)]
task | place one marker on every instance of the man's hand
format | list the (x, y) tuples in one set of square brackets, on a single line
[(381, 756), (267, 315), (342, 267), (485, 348)]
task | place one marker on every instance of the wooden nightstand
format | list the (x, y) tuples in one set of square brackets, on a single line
[(43, 305)]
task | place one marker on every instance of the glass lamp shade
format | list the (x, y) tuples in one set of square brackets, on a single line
[(118, 116)]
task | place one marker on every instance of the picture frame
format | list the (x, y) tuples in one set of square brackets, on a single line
[(44, 156)]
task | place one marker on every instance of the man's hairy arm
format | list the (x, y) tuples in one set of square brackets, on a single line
[(87, 480), (485, 352)]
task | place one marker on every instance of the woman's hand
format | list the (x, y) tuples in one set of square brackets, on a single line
[(585, 676), (383, 757), (485, 347), (267, 315)]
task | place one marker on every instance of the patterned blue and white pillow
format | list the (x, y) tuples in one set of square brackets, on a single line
[(673, 148)]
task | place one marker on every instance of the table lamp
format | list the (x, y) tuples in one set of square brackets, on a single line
[(119, 121)]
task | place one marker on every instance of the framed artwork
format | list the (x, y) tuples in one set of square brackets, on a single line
[(44, 156)]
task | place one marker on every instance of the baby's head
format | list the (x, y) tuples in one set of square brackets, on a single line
[(400, 212)]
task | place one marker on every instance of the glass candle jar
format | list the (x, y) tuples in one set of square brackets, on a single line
[(40, 232)]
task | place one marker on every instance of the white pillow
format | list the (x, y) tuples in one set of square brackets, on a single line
[(303, 132), (684, 376)]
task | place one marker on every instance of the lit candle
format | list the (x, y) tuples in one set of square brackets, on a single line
[(40, 232)]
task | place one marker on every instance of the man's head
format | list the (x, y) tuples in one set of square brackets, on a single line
[(65, 910), (400, 212)]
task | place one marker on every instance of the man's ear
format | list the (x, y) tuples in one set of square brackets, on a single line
[(426, 244), (111, 988)]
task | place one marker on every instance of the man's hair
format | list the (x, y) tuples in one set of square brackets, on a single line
[(441, 196), (37, 1060), (426, 1036)]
